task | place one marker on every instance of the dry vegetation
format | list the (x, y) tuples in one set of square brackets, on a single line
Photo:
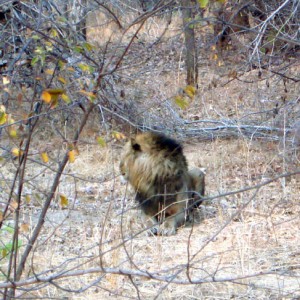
[(245, 241)]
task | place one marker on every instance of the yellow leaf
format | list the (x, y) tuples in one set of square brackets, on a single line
[(2, 109), (14, 204), (53, 32), (63, 201), (54, 102), (66, 98), (84, 67), (51, 96), (1, 216), (3, 118), (190, 91), (27, 199), (4, 252), (12, 132), (49, 46), (71, 156), (62, 80), (101, 141), (10, 120), (46, 96), (181, 102), (55, 92), (215, 56), (88, 94), (118, 135), (49, 71), (203, 3), (24, 227), (44, 157), (16, 152), (220, 63), (5, 80)]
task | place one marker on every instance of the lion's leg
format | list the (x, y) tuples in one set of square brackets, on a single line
[(168, 227), (150, 222), (174, 217), (166, 221)]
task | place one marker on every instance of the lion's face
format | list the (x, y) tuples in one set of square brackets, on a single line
[(136, 166), (127, 160)]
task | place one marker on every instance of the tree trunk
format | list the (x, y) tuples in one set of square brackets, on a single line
[(188, 14)]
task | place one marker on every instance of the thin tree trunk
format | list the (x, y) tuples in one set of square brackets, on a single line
[(188, 14)]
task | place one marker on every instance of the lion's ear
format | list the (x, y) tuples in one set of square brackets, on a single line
[(135, 146)]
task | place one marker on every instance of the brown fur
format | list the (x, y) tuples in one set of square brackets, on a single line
[(156, 168)]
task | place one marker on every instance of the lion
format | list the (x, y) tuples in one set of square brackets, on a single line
[(166, 190)]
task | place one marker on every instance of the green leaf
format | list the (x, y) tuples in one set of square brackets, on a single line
[(34, 60), (61, 64), (6, 248), (7, 228), (78, 49), (43, 59), (101, 141), (86, 68), (89, 47), (39, 50)]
